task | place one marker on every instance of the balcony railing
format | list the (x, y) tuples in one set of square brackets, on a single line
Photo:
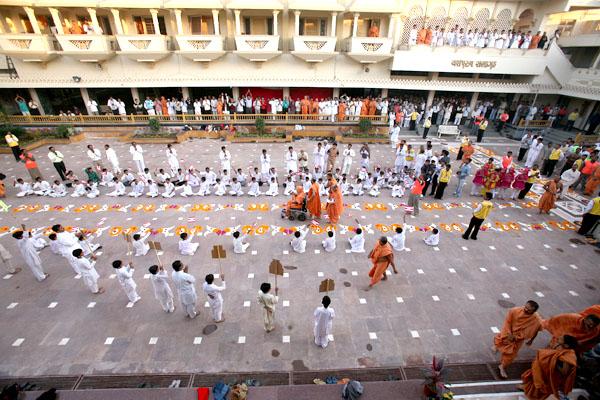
[(257, 47), (88, 48), (368, 50), (143, 48), (314, 48), (200, 47), (28, 47)]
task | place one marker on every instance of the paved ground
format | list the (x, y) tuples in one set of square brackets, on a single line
[(446, 301)]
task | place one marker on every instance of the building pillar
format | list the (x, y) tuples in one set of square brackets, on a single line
[(286, 92), (94, 19), (155, 22), (86, 97), (275, 14), (238, 25), (296, 23), (217, 29), (185, 92), (235, 92), (596, 62), (430, 97), (34, 96), (32, 20), (117, 21), (434, 76), (57, 22), (384, 93), (474, 98), (178, 22), (333, 24), (398, 27), (336, 92), (355, 24), (135, 94), (586, 115), (390, 29)]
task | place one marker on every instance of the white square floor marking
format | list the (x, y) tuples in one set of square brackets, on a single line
[(495, 329), (198, 340), (11, 306), (64, 341), (414, 334), (250, 276), (18, 342), (285, 339), (91, 305), (53, 304), (435, 298), (247, 303), (286, 303), (470, 296), (153, 340), (539, 294), (362, 301), (505, 295), (109, 340), (420, 271), (399, 300), (372, 335), (455, 332), (452, 270), (241, 339)]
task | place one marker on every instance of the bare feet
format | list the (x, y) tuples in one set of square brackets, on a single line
[(16, 271), (494, 349), (100, 291), (502, 372), (395, 271), (219, 321)]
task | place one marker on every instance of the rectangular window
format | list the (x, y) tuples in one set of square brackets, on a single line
[(145, 25), (104, 23), (26, 24), (247, 26), (201, 25), (313, 26)]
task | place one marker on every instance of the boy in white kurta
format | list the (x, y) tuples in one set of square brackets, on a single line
[(88, 272), (125, 278), (298, 243), (162, 290), (152, 189), (397, 241), (357, 242), (184, 284), (236, 188), (267, 301), (273, 189), (215, 299), (7, 260), (25, 242), (254, 189), (140, 247), (186, 246), (433, 239), (323, 317), (239, 246), (329, 242)]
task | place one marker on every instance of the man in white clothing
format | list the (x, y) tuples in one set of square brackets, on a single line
[(267, 302), (397, 241), (67, 242), (184, 283), (291, 160), (88, 271), (112, 158), (25, 242), (329, 242), (137, 153), (225, 158), (323, 317), (298, 243), (570, 176), (140, 246), (319, 156), (186, 246), (534, 151), (357, 242), (239, 246), (265, 166), (433, 239), (162, 290), (96, 156), (215, 299), (125, 278), (348, 154)]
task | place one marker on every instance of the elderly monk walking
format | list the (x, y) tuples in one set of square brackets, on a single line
[(552, 371), (521, 323), (584, 328), (382, 257), (313, 201), (335, 203)]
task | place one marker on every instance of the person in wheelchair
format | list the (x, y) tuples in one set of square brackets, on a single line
[(297, 204)]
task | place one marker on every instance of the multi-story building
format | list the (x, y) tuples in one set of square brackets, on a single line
[(63, 52)]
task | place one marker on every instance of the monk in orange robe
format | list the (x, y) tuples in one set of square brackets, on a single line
[(373, 31), (364, 109), (372, 107), (548, 199), (304, 106), (341, 111), (468, 150), (382, 257), (163, 104), (584, 328), (428, 37), (521, 323), (314, 108), (335, 203), (553, 370), (592, 182), (296, 201), (595, 309), (313, 202), (219, 108), (422, 36)]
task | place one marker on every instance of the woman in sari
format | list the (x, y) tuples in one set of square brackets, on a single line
[(552, 188)]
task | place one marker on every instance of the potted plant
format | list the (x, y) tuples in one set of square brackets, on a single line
[(365, 125), (154, 125), (434, 387), (259, 124)]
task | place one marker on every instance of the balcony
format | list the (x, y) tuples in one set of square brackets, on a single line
[(88, 48), (369, 50), (28, 47), (144, 48), (200, 48), (314, 49), (257, 48)]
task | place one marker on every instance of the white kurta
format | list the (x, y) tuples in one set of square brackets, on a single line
[(184, 284), (88, 273), (357, 243), (291, 161), (68, 242), (319, 158), (533, 153), (225, 158), (31, 257), (329, 244), (187, 247), (239, 247), (299, 243), (267, 302), (323, 325), (172, 159), (215, 299), (140, 247), (397, 241), (432, 240), (125, 278), (348, 155), (162, 290)]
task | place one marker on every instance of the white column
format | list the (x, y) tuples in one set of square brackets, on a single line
[(178, 22), (117, 21), (297, 23), (57, 22), (215, 14), (474, 100), (32, 20), (430, 97), (391, 26), (155, 22), (336, 92), (397, 31), (333, 24), (384, 93), (185, 92), (238, 26), (135, 94), (86, 97), (235, 92), (94, 19), (275, 14), (286, 92), (355, 24), (34, 96)]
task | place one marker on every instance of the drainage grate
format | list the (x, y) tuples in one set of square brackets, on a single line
[(263, 378), (363, 375), (132, 381), (457, 373), (43, 382)]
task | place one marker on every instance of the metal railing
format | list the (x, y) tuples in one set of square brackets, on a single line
[(179, 119)]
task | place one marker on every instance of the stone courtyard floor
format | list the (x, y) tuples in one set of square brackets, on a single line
[(447, 301)]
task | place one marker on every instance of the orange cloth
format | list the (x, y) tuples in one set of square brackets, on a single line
[(29, 160), (592, 182), (219, 107), (335, 208), (379, 267), (364, 109), (544, 379), (374, 31), (304, 106), (534, 41), (314, 200), (422, 36), (163, 104), (468, 151), (548, 198), (572, 324), (429, 36), (522, 327), (296, 201), (595, 309), (2, 190), (341, 111), (372, 107), (417, 187)]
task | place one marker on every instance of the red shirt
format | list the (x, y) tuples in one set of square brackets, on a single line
[(417, 187), (588, 167), (29, 161), (504, 117)]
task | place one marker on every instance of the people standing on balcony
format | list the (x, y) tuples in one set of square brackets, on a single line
[(526, 40), (248, 103), (373, 30), (121, 108), (554, 38), (113, 105), (412, 35), (22, 104), (149, 106), (535, 40), (542, 42)]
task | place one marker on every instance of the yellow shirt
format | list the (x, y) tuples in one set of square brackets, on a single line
[(12, 140), (414, 115), (555, 155), (596, 207), (484, 211), (573, 116), (533, 176), (445, 175), (578, 163)]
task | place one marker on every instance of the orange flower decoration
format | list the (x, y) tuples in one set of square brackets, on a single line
[(201, 207), (258, 207), (115, 231)]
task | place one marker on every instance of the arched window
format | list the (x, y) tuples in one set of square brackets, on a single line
[(480, 22), (526, 19), (415, 17), (438, 18), (502, 21), (461, 18)]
